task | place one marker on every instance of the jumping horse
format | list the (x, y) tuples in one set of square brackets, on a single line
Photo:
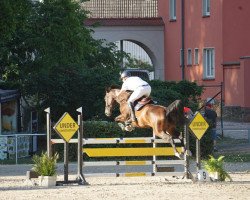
[(162, 120)]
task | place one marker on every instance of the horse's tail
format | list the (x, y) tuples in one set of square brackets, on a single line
[(175, 115), (173, 106)]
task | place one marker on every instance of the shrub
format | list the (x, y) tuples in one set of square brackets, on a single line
[(216, 165), (45, 165)]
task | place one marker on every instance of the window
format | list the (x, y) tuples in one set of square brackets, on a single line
[(172, 9), (196, 56), (189, 57), (208, 63), (206, 8)]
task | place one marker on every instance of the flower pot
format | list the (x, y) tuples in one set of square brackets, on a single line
[(214, 175), (47, 181)]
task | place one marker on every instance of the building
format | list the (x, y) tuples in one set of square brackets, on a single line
[(205, 41), (214, 35)]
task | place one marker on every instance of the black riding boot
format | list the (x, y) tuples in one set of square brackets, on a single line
[(132, 111)]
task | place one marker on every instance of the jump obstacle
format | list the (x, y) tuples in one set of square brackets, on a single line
[(96, 152), (129, 152)]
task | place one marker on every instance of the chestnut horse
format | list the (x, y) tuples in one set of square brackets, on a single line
[(163, 120)]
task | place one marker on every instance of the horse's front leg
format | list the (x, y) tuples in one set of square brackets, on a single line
[(120, 118), (123, 123)]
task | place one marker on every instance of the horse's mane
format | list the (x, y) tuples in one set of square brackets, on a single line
[(112, 87), (123, 96)]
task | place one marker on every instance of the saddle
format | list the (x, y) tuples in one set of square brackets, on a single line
[(141, 102)]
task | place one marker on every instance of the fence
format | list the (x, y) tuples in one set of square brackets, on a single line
[(15, 146), (122, 9)]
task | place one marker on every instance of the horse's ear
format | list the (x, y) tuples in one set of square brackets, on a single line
[(107, 89)]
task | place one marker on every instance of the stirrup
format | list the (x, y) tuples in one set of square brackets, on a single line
[(128, 122), (133, 118), (132, 113)]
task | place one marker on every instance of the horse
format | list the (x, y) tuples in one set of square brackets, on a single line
[(162, 120)]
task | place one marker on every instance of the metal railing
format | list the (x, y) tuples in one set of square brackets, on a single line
[(18, 145), (122, 8)]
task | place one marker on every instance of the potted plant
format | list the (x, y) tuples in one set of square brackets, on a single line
[(45, 167), (215, 168)]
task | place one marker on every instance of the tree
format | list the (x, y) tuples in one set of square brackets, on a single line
[(139, 64), (54, 61), (13, 19)]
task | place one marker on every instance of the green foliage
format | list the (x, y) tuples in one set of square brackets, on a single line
[(138, 64), (12, 17), (45, 165), (216, 165), (165, 92), (53, 59)]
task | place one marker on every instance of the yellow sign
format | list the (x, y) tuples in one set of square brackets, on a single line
[(198, 125), (66, 127)]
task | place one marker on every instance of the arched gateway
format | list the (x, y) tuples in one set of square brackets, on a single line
[(147, 33)]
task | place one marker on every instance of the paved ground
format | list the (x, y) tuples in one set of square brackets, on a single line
[(239, 132)]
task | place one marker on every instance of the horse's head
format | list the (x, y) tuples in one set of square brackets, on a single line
[(110, 97)]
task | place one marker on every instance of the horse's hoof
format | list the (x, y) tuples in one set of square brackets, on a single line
[(188, 153), (121, 125), (129, 128), (180, 156)]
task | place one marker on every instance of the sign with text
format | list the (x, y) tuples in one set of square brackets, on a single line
[(198, 125), (66, 127)]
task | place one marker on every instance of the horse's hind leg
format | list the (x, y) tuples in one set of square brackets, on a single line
[(168, 138)]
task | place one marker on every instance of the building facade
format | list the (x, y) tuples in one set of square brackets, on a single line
[(214, 35)]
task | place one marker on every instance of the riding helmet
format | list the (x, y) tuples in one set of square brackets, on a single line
[(124, 74)]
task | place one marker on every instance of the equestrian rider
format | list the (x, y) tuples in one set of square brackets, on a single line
[(138, 87)]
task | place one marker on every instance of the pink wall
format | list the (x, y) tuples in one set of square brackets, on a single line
[(236, 29), (227, 30), (232, 82), (236, 40), (172, 41), (245, 63), (236, 80), (199, 33)]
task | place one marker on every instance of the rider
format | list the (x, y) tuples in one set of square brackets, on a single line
[(139, 88)]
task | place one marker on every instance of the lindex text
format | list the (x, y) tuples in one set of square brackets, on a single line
[(199, 123), (67, 125)]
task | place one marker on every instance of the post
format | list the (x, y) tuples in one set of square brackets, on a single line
[(248, 131), (221, 111), (66, 162), (80, 175), (154, 157), (16, 148), (186, 146), (198, 154), (183, 39), (48, 121), (121, 50)]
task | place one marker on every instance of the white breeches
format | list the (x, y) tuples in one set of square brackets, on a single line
[(139, 92)]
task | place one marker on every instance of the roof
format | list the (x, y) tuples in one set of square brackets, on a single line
[(124, 21), (8, 95)]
